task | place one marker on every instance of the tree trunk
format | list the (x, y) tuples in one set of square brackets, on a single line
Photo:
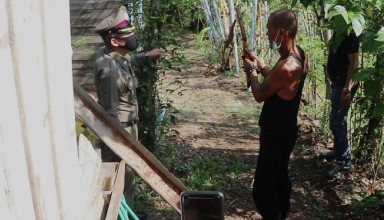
[(325, 36)]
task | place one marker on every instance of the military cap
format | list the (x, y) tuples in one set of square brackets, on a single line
[(118, 23)]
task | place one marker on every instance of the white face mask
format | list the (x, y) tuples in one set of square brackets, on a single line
[(274, 45)]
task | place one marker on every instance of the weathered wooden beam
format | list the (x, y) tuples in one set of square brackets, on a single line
[(123, 144), (114, 204)]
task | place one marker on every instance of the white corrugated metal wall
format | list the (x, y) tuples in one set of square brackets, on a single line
[(39, 171)]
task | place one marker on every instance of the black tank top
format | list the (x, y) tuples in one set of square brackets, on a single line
[(278, 113)]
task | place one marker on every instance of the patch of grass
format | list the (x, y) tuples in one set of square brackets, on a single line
[(152, 203), (369, 203), (146, 197), (248, 113), (314, 203), (212, 173), (168, 155), (301, 147), (207, 51), (203, 172), (321, 113), (318, 209), (248, 110)]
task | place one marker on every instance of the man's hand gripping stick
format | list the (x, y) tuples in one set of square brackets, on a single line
[(246, 49)]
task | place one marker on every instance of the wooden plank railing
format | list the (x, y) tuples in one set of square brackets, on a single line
[(123, 144)]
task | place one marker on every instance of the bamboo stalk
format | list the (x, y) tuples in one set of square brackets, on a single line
[(266, 15), (223, 9), (232, 16), (208, 16), (254, 15), (218, 19)]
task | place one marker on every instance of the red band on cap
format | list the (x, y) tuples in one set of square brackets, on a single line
[(122, 24)]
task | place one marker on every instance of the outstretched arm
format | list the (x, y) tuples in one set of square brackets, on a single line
[(140, 58)]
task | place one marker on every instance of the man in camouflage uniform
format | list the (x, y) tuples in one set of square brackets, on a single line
[(116, 82)]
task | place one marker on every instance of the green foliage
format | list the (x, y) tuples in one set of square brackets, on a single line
[(202, 35), (82, 129), (157, 32), (368, 204), (205, 48), (357, 16), (163, 22), (364, 74), (203, 171), (320, 112), (342, 22), (373, 42), (208, 173), (378, 111), (372, 88)]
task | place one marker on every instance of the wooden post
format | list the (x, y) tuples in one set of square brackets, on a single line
[(39, 170), (232, 15)]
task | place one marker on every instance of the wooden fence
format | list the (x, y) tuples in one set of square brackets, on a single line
[(85, 15)]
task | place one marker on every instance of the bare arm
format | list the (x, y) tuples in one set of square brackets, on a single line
[(353, 64), (259, 63), (272, 84), (345, 97)]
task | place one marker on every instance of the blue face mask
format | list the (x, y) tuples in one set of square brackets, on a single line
[(274, 45)]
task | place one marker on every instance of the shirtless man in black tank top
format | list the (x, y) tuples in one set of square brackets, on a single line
[(281, 92)]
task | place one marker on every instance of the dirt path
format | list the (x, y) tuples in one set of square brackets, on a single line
[(216, 116)]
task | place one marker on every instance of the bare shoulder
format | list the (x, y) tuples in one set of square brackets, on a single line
[(287, 68)]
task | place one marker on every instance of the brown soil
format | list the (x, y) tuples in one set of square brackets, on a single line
[(205, 127)]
